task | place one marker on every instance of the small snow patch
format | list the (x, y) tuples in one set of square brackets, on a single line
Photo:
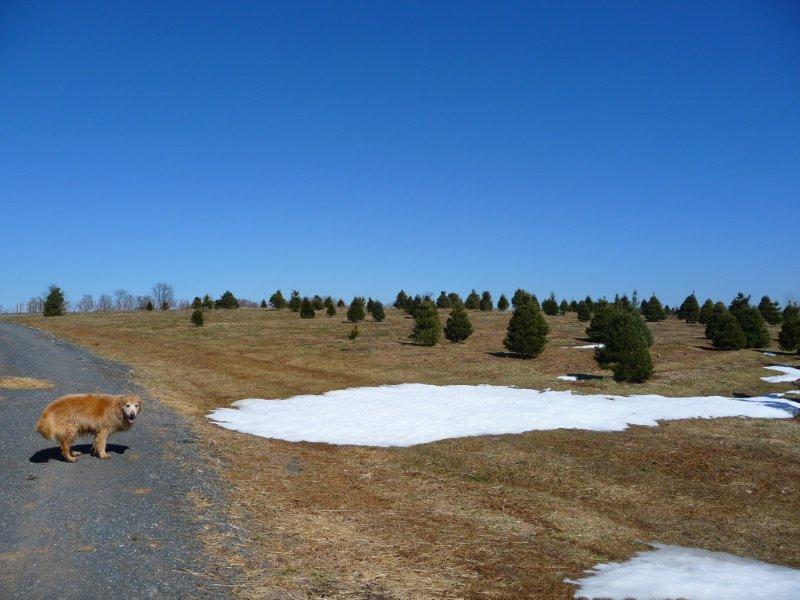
[(587, 346), (567, 378), (789, 374), (412, 413), (691, 573), (769, 354)]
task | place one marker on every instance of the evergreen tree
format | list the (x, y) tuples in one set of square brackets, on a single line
[(789, 337), (317, 302), (550, 305), (454, 298), (263, 304), (791, 310), (149, 306), (589, 302), (198, 318), (306, 309), (353, 335), (705, 311), (370, 305), (443, 301), (227, 300), (770, 311), (208, 302), (54, 304), (527, 330), (751, 322), (600, 324), (356, 311), (401, 301), (502, 303), (711, 325), (486, 304), (165, 305), (573, 306), (340, 303), (563, 308), (653, 310), (473, 301), (377, 311), (584, 314), (520, 297), (413, 304), (196, 303), (728, 334), (330, 307), (690, 309), (294, 301), (458, 327), (427, 327), (626, 349), (277, 300)]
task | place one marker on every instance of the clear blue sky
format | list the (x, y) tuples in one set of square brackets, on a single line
[(350, 148)]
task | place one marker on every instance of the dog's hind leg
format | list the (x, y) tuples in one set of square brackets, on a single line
[(99, 446), (65, 441)]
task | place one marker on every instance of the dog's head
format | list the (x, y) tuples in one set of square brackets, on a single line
[(131, 407)]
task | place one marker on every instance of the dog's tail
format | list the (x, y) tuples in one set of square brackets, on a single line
[(45, 426)]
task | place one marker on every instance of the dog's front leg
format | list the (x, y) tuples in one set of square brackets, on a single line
[(99, 446)]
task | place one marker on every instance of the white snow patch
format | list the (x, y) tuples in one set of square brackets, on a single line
[(413, 413), (795, 392), (590, 346), (769, 354), (691, 573), (567, 378), (789, 374)]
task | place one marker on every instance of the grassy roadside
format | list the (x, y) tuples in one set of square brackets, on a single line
[(490, 517)]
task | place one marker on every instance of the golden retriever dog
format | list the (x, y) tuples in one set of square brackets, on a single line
[(81, 414)]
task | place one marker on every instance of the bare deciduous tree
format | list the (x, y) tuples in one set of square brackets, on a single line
[(35, 304), (164, 295), (104, 303), (86, 304), (124, 300), (141, 302)]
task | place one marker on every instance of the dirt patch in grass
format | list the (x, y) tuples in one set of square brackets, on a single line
[(492, 517), (24, 383)]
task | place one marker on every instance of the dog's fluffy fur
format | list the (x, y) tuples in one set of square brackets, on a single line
[(81, 414)]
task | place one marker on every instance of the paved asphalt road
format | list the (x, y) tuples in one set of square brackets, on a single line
[(119, 528)]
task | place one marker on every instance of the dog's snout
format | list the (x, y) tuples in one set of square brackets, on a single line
[(132, 416)]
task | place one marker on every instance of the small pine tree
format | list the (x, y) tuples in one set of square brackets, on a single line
[(789, 337), (330, 307), (473, 301), (413, 304), (427, 327), (584, 314), (770, 311), (198, 318), (563, 308), (377, 312), (454, 298), (227, 300), (550, 305), (165, 305), (527, 330), (573, 306), (626, 349), (306, 309), (149, 306), (208, 302), (652, 309), (317, 302), (458, 327), (520, 297), (353, 335), (54, 304), (690, 309), (356, 311), (754, 327), (600, 323), (486, 303), (401, 300), (791, 310), (196, 303), (277, 301), (502, 303), (263, 304), (443, 301), (705, 311), (370, 305), (728, 334), (713, 317), (294, 301), (340, 303)]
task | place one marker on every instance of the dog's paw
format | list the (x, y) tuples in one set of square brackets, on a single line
[(75, 453), (104, 456), (70, 459)]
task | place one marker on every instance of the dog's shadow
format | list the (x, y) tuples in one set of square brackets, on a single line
[(48, 454)]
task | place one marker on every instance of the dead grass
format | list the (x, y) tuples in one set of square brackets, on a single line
[(24, 383), (491, 517)]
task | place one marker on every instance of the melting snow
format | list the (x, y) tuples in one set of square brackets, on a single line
[(590, 346), (411, 413), (567, 378), (694, 574), (769, 354), (789, 374)]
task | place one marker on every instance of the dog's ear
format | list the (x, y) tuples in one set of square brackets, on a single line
[(139, 400)]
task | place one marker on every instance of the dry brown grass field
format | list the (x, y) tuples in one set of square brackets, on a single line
[(506, 516)]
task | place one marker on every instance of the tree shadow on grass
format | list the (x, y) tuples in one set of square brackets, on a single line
[(509, 355), (585, 376), (48, 454), (712, 349)]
